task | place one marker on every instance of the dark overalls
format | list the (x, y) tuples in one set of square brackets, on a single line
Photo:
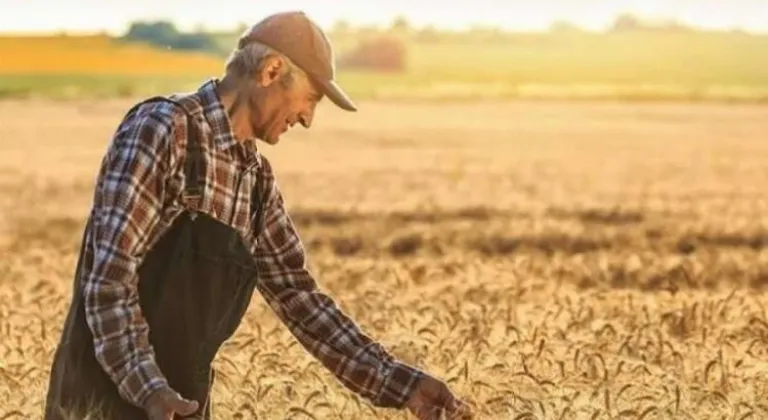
[(195, 285)]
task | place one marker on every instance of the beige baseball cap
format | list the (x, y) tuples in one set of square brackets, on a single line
[(301, 40)]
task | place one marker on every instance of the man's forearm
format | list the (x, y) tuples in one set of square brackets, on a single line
[(360, 363)]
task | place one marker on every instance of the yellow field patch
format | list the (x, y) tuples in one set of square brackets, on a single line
[(98, 55)]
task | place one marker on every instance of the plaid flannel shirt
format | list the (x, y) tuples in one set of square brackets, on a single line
[(138, 195)]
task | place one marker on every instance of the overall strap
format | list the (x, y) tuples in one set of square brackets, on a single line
[(194, 162), (257, 201), (194, 166)]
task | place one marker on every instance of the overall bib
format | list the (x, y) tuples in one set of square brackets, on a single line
[(195, 285)]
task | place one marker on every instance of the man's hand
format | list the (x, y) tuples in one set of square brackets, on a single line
[(165, 402), (432, 399)]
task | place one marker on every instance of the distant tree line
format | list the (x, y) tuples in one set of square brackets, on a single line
[(381, 52), (165, 35), (383, 48)]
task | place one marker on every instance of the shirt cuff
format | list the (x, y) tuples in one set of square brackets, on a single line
[(399, 385), (144, 379)]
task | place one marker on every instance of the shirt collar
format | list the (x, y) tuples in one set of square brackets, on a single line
[(217, 117)]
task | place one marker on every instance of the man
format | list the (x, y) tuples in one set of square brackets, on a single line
[(187, 221)]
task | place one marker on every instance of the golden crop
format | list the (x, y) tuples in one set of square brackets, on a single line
[(97, 55), (549, 260)]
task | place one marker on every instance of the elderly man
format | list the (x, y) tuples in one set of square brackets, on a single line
[(187, 222)]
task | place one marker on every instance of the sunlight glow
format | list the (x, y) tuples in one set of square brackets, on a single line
[(114, 17)]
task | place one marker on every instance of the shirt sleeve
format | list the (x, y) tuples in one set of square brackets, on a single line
[(127, 208), (359, 363)]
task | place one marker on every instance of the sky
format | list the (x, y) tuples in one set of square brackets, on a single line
[(114, 16)]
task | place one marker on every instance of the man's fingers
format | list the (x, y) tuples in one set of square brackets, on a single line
[(454, 407), (159, 415), (428, 412), (435, 399), (454, 404), (447, 399), (458, 411), (182, 406)]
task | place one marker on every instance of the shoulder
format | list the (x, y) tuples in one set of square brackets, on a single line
[(164, 113), (158, 122)]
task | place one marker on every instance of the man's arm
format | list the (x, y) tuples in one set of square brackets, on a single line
[(129, 195), (360, 363)]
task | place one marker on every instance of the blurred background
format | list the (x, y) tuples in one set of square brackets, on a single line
[(557, 206), (625, 49)]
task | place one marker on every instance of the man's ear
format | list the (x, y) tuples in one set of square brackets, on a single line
[(272, 69)]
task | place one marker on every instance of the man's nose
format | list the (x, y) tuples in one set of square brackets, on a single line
[(306, 119)]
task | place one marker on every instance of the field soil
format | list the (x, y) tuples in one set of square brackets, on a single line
[(550, 260)]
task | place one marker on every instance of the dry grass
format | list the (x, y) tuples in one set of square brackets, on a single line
[(551, 261)]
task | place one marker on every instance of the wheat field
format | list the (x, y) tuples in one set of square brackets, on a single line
[(549, 260)]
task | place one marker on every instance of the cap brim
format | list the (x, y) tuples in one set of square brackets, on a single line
[(336, 94)]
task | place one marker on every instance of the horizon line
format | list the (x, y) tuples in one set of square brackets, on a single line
[(470, 27)]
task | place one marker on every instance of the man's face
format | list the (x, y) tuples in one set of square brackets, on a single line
[(282, 103)]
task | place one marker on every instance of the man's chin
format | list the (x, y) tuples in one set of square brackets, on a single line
[(269, 139)]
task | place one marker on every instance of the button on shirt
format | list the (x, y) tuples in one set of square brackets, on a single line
[(138, 194)]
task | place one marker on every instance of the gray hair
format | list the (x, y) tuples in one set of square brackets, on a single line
[(251, 57)]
